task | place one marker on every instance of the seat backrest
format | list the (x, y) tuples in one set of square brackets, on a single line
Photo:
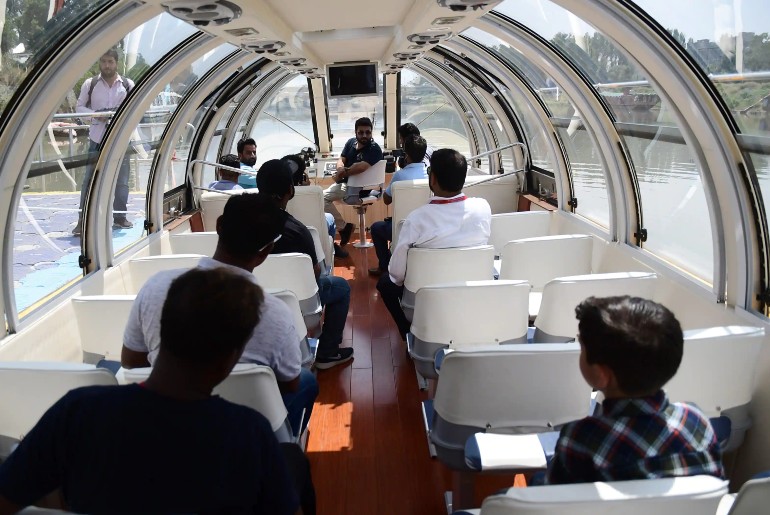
[(291, 271), (204, 243), (319, 251), (143, 268), (540, 259), (248, 384), (754, 497), (472, 312), (407, 196), (556, 320), (307, 206), (435, 266), (28, 389), (292, 303), (372, 176), (516, 226), (695, 495), (101, 321), (501, 194), (212, 207), (502, 387), (718, 368)]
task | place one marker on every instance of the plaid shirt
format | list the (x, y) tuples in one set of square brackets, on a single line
[(637, 438)]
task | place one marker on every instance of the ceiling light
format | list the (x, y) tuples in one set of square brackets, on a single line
[(203, 12)]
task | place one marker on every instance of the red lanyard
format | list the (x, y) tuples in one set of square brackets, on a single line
[(448, 200)]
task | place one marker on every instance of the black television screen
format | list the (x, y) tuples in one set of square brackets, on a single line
[(352, 80)]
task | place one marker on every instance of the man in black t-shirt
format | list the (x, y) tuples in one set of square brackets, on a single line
[(275, 179), (166, 445)]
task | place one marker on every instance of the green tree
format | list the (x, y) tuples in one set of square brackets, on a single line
[(756, 53)]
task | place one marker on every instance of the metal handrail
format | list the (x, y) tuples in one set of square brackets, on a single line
[(231, 168)]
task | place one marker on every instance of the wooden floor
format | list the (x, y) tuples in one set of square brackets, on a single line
[(367, 446)]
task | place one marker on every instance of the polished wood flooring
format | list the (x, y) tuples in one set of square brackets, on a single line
[(367, 445)]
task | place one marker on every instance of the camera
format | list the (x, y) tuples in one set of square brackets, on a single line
[(308, 154)]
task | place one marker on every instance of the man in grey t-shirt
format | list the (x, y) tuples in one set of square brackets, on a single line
[(247, 230)]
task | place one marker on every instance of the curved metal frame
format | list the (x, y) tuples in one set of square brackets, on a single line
[(28, 116)]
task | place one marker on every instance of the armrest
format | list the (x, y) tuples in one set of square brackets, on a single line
[(488, 451)]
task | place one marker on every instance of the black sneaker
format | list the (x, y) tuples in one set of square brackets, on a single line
[(345, 233), (343, 354), (339, 252)]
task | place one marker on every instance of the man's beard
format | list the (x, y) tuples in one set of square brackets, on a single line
[(249, 161), (363, 141)]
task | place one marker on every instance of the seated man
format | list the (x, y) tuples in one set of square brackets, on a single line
[(247, 230), (357, 156), (275, 179), (228, 179), (247, 155), (449, 220), (406, 130), (629, 349), (166, 445), (300, 178), (414, 168)]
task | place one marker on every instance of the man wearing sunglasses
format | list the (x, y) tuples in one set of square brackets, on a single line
[(249, 227), (357, 156)]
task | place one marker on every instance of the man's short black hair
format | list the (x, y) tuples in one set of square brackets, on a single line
[(242, 144), (408, 129), (230, 160), (415, 147), (365, 122), (449, 166), (112, 53), (208, 314), (274, 177), (639, 340), (249, 222), (297, 165)]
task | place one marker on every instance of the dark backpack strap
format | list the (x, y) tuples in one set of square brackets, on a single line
[(91, 87)]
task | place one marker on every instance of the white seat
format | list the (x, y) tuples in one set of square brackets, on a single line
[(502, 389), (460, 315), (753, 498), (29, 388), (407, 196), (717, 374), (501, 194), (319, 251), (308, 351), (556, 320), (436, 266), (101, 321), (204, 243), (212, 207), (143, 268), (694, 495), (307, 206), (293, 271), (373, 177), (515, 226), (249, 385), (541, 259)]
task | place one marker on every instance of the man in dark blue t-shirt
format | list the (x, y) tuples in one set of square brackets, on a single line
[(357, 156), (166, 445)]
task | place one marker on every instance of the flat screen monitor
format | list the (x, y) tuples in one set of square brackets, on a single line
[(352, 79)]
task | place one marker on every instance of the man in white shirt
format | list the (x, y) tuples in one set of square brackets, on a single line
[(228, 178), (449, 220), (104, 93), (247, 230), (413, 168)]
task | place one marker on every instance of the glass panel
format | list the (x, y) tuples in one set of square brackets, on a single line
[(537, 144), (29, 28), (285, 124), (343, 113), (424, 105), (730, 40), (46, 239)]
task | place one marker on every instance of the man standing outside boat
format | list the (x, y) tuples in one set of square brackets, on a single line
[(104, 93)]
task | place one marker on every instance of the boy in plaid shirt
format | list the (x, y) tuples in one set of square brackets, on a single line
[(629, 348)]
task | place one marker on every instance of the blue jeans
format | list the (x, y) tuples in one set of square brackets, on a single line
[(302, 399), (335, 296), (120, 202), (330, 225), (382, 234)]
